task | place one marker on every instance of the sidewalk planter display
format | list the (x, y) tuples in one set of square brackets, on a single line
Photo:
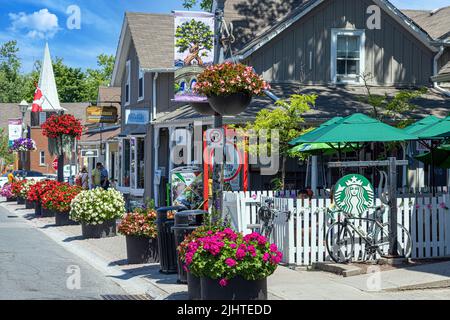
[(29, 204), (63, 219), (20, 200), (236, 289), (230, 266), (36, 191), (103, 230), (38, 209), (57, 201), (141, 250), (16, 189), (6, 191), (229, 87), (97, 211), (141, 236), (11, 199), (47, 213)]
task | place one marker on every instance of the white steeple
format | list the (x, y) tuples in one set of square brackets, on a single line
[(47, 84)]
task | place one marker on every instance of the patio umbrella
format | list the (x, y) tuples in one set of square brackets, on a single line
[(315, 149), (440, 157), (422, 124), (356, 128), (298, 140), (439, 129)]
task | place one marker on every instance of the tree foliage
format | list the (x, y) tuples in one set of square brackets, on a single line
[(8, 158), (205, 5)]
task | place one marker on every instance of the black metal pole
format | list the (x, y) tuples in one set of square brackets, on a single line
[(393, 248)]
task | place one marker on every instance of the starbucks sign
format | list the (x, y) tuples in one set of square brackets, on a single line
[(354, 194)]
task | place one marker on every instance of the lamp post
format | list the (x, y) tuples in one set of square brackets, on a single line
[(23, 106)]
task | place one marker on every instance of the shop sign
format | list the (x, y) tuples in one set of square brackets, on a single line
[(96, 114), (135, 116), (354, 194)]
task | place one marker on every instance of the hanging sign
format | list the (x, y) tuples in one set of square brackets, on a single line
[(354, 194), (186, 187), (14, 130), (96, 114), (194, 38)]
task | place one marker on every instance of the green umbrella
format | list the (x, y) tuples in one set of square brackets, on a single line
[(323, 125), (422, 124), (437, 130), (440, 157), (318, 148), (356, 128)]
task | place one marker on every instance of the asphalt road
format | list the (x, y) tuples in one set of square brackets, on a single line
[(32, 266)]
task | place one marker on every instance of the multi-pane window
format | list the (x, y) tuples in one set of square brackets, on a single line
[(141, 84), (42, 158), (347, 56)]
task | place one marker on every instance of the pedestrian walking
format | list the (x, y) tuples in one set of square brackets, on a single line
[(82, 179)]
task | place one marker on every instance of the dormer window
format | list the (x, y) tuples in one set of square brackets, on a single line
[(347, 55)]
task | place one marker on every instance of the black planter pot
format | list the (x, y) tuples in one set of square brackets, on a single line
[(20, 201), (11, 199), (230, 105), (63, 219), (203, 108), (37, 209), (105, 230), (29, 204), (237, 289), (141, 250), (194, 287), (46, 213)]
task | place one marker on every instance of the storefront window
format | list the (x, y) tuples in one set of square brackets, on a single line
[(140, 162), (126, 163), (133, 163)]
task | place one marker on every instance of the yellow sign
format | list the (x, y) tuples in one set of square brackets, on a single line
[(96, 114)]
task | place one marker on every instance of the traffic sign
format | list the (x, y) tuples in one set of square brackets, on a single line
[(55, 164)]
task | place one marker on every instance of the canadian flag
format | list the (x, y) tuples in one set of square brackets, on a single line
[(38, 100)]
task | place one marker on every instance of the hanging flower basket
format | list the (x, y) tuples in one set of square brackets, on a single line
[(23, 145), (230, 87), (62, 131), (197, 102)]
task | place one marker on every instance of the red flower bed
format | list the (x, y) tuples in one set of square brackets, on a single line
[(17, 186), (59, 197), (58, 125), (37, 190)]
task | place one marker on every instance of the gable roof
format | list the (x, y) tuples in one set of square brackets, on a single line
[(265, 27), (436, 23), (152, 37)]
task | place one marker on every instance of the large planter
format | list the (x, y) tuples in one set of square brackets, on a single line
[(230, 105), (63, 219), (37, 209), (20, 200), (29, 204), (105, 230), (11, 199), (194, 287), (141, 250), (237, 289), (203, 108), (46, 213)]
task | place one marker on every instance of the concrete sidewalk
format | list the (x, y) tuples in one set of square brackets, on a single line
[(109, 256)]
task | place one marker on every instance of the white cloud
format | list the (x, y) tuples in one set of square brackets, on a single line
[(41, 24)]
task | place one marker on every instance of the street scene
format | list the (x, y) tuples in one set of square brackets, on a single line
[(225, 150)]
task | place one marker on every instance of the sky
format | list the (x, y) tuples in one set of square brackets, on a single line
[(80, 41)]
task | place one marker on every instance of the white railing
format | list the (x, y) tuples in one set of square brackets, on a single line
[(301, 235)]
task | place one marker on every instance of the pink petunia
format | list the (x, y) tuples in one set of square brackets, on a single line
[(223, 282), (230, 262)]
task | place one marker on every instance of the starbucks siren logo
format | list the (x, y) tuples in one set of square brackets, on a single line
[(354, 194)]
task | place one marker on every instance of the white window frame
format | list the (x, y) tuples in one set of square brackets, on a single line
[(41, 163), (128, 82), (141, 76), (42, 117), (362, 59)]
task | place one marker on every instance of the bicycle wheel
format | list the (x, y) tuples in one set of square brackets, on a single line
[(340, 241), (404, 242)]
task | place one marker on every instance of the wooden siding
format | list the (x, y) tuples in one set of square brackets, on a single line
[(303, 51)]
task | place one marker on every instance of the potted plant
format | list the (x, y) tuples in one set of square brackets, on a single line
[(140, 231), (16, 188), (36, 192), (58, 200), (24, 193), (232, 266), (61, 131), (230, 87), (23, 145), (197, 102), (97, 211), (6, 192)]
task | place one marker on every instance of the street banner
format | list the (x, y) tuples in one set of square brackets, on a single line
[(14, 130), (194, 38), (187, 187)]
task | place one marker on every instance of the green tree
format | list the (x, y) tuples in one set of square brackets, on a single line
[(71, 82), (99, 77), (11, 81), (204, 4), (5, 155), (287, 119), (195, 36)]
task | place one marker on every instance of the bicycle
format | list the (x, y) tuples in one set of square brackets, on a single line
[(340, 237), (266, 217)]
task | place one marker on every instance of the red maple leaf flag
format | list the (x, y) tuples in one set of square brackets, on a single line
[(38, 100)]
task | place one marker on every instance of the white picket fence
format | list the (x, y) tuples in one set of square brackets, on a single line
[(300, 235)]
